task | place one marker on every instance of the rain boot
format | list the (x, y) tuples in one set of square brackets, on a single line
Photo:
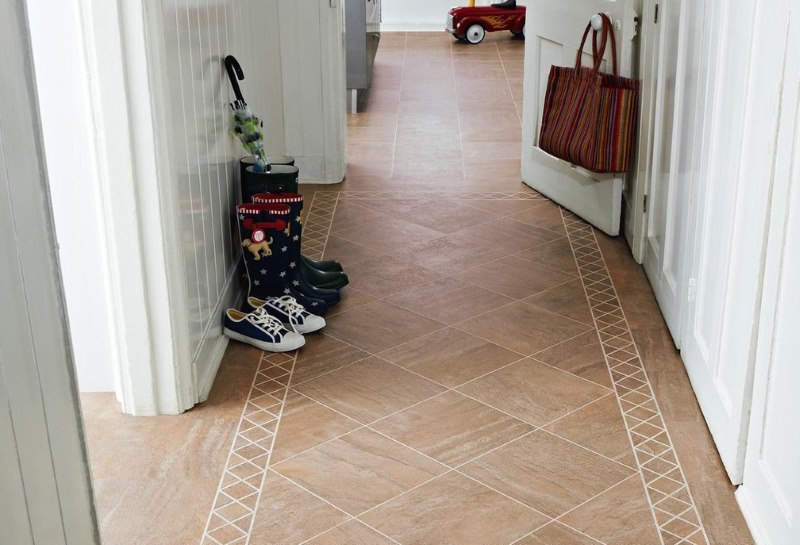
[(270, 271), (321, 279)]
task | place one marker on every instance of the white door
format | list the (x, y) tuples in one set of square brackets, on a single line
[(678, 49), (770, 495), (553, 34), (730, 217)]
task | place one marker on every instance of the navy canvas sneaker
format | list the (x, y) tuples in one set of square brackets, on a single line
[(291, 313), (261, 330)]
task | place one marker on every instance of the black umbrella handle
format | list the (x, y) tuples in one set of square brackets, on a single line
[(235, 74)]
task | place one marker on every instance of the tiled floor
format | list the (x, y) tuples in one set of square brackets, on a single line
[(497, 373)]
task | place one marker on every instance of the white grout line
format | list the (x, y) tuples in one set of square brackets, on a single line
[(636, 359)]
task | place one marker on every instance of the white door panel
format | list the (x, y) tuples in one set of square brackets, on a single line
[(667, 193), (729, 228), (553, 35), (770, 495)]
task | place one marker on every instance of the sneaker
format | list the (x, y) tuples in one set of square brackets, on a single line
[(261, 330), (291, 313)]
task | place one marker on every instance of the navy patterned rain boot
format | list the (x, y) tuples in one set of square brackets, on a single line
[(262, 230), (323, 284)]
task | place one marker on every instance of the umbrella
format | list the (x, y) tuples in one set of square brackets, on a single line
[(246, 126)]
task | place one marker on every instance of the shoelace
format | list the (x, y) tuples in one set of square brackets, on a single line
[(290, 306), (268, 323)]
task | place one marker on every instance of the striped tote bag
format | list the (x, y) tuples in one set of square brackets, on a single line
[(589, 118)]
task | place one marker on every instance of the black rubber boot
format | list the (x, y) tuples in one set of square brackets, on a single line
[(279, 179), (270, 270), (290, 243), (329, 265)]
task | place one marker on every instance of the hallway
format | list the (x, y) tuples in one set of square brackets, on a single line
[(496, 373)]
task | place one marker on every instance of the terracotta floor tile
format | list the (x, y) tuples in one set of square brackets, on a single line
[(568, 300), (429, 166), (323, 354), (369, 390), (351, 214), (450, 357), (384, 276), (445, 215), (378, 326), (448, 300), (351, 298), (486, 152), (391, 235), (351, 533), (547, 473), (598, 427), (288, 514), (505, 207), (557, 534), (451, 253), (370, 158), (533, 392), (369, 119), (452, 428), (508, 169), (620, 516), (483, 90), (359, 471), (507, 235), (518, 278), (581, 356), (348, 252), (523, 328), (546, 215), (491, 126), (453, 510), (556, 255), (481, 70), (305, 424)]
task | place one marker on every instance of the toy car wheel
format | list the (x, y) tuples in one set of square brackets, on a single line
[(459, 37), (520, 34), (475, 34)]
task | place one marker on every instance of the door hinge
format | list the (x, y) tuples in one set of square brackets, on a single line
[(644, 204), (691, 291), (655, 18)]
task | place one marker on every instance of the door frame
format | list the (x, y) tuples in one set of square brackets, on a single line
[(44, 470)]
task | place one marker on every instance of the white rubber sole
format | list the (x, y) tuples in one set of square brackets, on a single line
[(313, 323), (291, 341)]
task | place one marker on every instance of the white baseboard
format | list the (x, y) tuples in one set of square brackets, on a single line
[(414, 26), (746, 507), (212, 349)]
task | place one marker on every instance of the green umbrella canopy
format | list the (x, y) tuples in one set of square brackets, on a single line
[(246, 126)]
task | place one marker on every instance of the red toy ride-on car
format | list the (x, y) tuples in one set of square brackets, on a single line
[(471, 23)]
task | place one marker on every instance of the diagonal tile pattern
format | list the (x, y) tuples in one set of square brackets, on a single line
[(468, 388)]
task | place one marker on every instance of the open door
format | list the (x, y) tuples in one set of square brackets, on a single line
[(553, 35)]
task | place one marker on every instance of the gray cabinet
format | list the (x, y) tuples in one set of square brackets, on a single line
[(363, 29)]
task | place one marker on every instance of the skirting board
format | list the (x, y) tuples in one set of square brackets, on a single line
[(746, 507), (212, 349)]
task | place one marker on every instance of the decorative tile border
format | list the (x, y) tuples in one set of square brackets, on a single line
[(233, 513), (453, 195), (318, 222), (674, 511), (673, 507)]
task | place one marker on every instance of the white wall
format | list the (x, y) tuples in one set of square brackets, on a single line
[(421, 14), (67, 125)]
